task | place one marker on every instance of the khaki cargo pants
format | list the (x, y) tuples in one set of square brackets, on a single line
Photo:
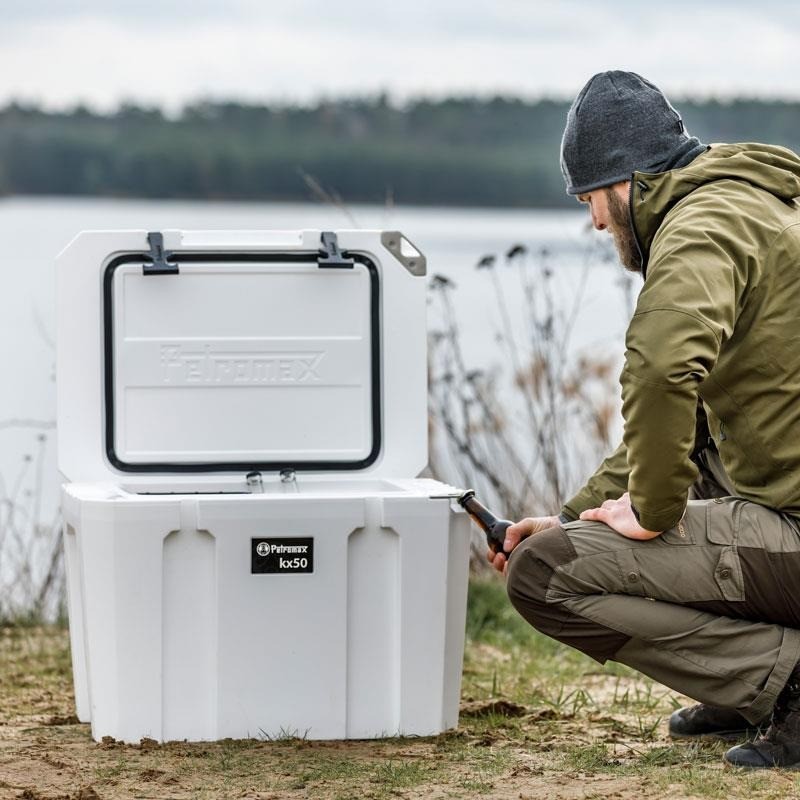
[(710, 608)]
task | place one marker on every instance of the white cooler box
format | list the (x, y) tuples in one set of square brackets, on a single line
[(240, 419)]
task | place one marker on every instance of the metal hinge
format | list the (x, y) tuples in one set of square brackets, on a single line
[(255, 482), (330, 255), (159, 257)]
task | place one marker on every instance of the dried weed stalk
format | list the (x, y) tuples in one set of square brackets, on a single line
[(31, 564), (526, 432)]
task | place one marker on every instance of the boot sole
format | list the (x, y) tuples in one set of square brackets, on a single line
[(725, 736), (791, 767)]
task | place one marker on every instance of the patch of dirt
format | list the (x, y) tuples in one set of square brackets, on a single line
[(148, 744), (62, 719), (611, 744), (498, 707)]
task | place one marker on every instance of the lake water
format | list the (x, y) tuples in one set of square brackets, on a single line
[(33, 231)]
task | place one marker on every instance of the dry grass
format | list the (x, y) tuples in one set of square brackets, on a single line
[(31, 564)]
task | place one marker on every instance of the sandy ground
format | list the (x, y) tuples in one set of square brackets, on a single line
[(502, 749)]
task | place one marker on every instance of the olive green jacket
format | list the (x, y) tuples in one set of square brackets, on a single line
[(718, 318)]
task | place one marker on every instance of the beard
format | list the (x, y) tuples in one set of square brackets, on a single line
[(622, 230)]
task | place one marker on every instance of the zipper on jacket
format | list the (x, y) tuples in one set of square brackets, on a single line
[(633, 226)]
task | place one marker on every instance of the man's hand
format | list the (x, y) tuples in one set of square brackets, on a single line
[(516, 533), (618, 515)]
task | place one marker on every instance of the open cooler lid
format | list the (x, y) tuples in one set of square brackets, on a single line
[(221, 352), (235, 361)]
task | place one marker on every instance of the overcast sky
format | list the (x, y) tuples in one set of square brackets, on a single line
[(170, 52)]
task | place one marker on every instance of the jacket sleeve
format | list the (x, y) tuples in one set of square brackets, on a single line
[(685, 312), (609, 482)]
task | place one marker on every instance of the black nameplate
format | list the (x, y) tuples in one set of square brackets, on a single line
[(270, 555)]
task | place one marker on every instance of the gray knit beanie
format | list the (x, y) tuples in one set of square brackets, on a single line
[(618, 124)]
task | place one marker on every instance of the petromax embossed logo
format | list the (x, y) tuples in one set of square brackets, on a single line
[(182, 365)]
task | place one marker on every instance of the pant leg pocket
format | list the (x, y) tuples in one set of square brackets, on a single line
[(706, 567), (683, 575), (715, 521), (722, 528), (630, 573), (722, 519), (728, 575)]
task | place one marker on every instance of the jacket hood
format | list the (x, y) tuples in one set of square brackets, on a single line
[(770, 167)]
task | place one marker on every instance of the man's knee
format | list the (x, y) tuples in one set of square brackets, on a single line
[(529, 576), (530, 571)]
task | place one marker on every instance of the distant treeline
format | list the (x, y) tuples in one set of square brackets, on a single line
[(495, 152)]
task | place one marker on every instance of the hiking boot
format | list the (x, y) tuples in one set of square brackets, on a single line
[(780, 745), (702, 720)]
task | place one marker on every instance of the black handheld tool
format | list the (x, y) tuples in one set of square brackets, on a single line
[(494, 528)]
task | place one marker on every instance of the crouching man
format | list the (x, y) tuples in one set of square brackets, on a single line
[(680, 557)]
